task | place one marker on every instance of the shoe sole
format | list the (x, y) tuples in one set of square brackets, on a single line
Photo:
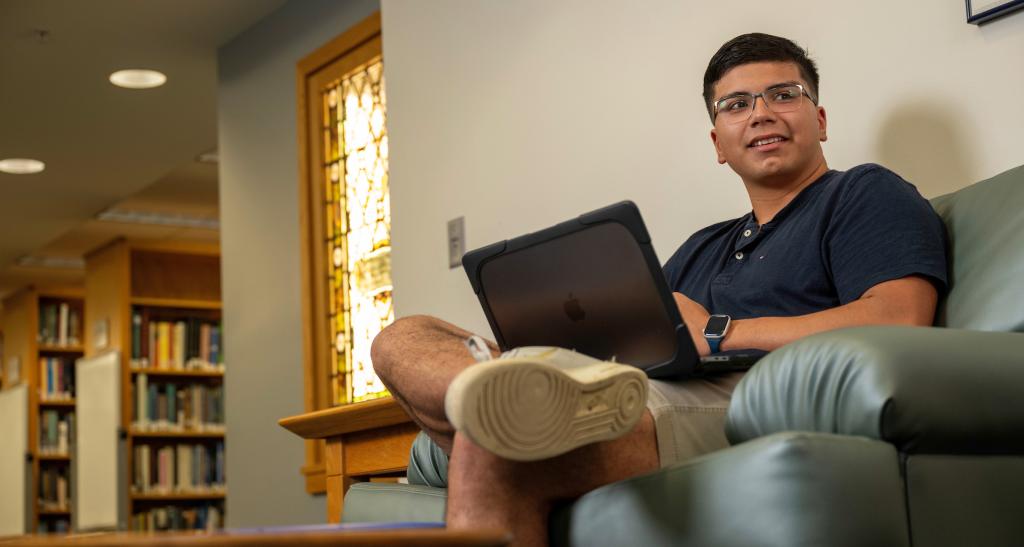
[(526, 411)]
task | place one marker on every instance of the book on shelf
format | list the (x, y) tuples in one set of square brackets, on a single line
[(171, 407), (184, 468), (55, 432), (59, 324), (185, 344), (54, 526), (56, 378), (54, 493), (206, 517)]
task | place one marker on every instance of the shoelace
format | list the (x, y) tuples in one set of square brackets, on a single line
[(478, 349)]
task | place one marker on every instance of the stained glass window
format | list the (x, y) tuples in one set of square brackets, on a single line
[(358, 226)]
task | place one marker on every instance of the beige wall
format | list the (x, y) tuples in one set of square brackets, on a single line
[(259, 212), (520, 114)]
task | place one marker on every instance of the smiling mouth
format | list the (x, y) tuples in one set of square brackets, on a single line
[(766, 141)]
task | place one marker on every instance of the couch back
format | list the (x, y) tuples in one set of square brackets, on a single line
[(985, 223)]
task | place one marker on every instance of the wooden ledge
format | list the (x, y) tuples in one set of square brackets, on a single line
[(285, 536), (339, 420)]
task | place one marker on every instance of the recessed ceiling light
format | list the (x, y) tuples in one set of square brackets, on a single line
[(21, 166), (138, 78), (64, 262), (158, 218), (208, 157)]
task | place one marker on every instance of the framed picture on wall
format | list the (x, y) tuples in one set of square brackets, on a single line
[(980, 11)]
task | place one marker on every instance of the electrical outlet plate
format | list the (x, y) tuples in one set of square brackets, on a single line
[(456, 241)]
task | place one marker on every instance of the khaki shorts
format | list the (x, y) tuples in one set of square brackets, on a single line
[(689, 416)]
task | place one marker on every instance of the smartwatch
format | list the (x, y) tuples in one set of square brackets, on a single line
[(715, 330)]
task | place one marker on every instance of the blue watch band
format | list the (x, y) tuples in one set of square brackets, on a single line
[(713, 343)]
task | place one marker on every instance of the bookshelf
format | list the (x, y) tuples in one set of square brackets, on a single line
[(161, 308), (44, 330)]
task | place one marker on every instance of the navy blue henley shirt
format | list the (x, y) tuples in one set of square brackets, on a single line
[(843, 234)]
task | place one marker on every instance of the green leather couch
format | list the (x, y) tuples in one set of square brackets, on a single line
[(878, 436)]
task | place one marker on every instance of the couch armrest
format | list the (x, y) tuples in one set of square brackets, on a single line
[(922, 389)]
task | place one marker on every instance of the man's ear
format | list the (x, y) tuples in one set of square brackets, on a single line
[(718, 148), (822, 124)]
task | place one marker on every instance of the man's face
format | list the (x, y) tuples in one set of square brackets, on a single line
[(801, 131)]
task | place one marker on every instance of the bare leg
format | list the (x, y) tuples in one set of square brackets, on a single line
[(486, 491), (417, 358)]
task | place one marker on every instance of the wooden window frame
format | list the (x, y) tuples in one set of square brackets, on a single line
[(343, 54)]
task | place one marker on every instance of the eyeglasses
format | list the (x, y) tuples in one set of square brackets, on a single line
[(779, 99)]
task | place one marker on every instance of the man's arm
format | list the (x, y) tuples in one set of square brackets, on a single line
[(906, 301)]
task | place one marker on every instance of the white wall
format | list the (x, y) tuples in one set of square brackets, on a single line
[(521, 114), (260, 257)]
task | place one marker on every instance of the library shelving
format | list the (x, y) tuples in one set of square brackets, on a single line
[(160, 308), (44, 330)]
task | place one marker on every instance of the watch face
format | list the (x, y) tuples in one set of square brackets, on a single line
[(716, 325)]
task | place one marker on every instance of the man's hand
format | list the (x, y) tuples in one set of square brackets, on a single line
[(695, 317)]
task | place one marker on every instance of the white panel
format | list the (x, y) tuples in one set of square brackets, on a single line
[(14, 432), (98, 394)]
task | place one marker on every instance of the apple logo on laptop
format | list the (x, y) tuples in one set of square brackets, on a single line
[(573, 309)]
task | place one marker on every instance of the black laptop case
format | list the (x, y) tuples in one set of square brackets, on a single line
[(593, 284)]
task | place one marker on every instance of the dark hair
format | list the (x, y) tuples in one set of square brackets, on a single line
[(757, 48)]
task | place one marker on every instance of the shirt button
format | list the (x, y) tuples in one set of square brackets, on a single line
[(747, 233), (739, 256)]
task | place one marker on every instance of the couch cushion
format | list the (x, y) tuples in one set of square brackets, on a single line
[(789, 489), (985, 223), (965, 500), (383, 502)]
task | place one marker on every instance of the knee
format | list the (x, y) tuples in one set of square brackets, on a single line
[(646, 426), (395, 340)]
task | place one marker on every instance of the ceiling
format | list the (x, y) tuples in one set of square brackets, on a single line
[(107, 147)]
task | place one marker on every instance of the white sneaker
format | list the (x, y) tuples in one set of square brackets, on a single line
[(538, 402)]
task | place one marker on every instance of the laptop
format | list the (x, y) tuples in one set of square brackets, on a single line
[(592, 284)]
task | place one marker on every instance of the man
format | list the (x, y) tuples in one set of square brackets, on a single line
[(820, 250)]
